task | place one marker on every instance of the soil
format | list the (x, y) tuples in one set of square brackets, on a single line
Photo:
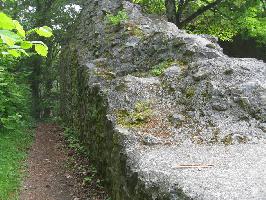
[(56, 172)]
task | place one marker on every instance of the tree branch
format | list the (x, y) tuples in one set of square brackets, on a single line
[(199, 12)]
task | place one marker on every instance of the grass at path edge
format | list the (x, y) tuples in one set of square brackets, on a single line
[(13, 153)]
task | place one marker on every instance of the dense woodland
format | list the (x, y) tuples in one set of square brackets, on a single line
[(33, 32)]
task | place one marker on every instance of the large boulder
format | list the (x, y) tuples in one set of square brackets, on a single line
[(165, 114)]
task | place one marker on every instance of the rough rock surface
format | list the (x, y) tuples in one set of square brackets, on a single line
[(149, 98)]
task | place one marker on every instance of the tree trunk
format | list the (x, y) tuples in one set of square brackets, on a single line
[(35, 85), (179, 12), (42, 9), (48, 78), (171, 14)]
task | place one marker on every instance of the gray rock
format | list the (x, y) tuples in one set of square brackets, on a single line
[(173, 71), (262, 126), (219, 105), (151, 140), (204, 109), (177, 119)]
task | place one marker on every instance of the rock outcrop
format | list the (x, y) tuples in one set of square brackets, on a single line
[(165, 114)]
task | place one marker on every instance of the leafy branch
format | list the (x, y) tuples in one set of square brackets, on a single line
[(14, 38)]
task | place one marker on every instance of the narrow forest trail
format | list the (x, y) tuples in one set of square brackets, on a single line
[(49, 176)]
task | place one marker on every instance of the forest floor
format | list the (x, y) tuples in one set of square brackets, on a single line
[(58, 172)]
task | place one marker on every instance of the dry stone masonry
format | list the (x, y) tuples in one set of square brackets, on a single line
[(165, 114)]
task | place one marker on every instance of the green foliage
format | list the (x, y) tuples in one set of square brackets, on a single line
[(152, 6), (13, 38), (15, 95), (59, 15), (228, 19), (231, 18), (41, 49), (44, 31), (13, 147), (81, 163), (254, 23), (15, 101), (117, 19), (74, 143)]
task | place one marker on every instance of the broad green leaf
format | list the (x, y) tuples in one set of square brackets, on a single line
[(19, 28), (14, 52), (41, 49), (26, 45), (44, 31), (9, 37), (6, 22), (7, 40)]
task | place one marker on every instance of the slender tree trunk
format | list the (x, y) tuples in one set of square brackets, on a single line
[(171, 14), (36, 62), (48, 81), (179, 12), (35, 85), (47, 110)]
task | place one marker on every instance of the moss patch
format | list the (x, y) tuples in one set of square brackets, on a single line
[(121, 87), (106, 74), (134, 30), (136, 118), (117, 19), (159, 69), (190, 92)]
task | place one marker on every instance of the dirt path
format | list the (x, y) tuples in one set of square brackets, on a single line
[(49, 178)]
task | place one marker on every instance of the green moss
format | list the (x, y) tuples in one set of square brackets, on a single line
[(117, 19), (211, 46), (188, 53), (106, 74), (206, 95), (136, 118), (215, 137), (242, 139), (101, 64), (190, 92), (228, 72), (121, 87), (140, 74), (168, 87), (243, 103), (228, 140), (182, 63), (134, 30), (159, 69)]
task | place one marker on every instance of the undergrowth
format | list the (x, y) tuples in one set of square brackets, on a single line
[(80, 163), (13, 152)]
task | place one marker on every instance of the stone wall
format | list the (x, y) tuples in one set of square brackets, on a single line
[(146, 97)]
